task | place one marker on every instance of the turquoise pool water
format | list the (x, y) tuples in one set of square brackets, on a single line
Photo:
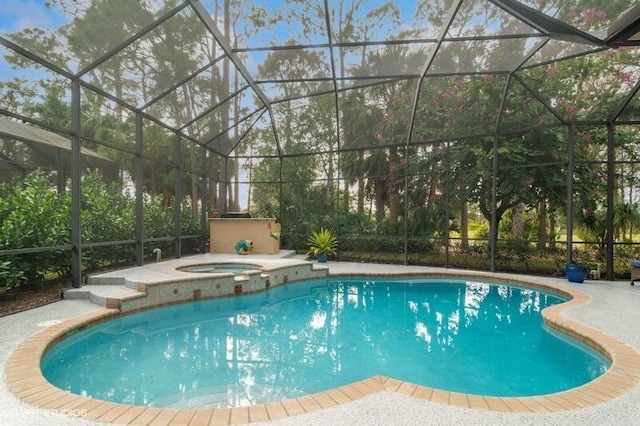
[(312, 336)]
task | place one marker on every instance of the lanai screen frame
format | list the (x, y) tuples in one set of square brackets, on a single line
[(622, 33)]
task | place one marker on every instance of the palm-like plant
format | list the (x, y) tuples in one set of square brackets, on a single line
[(322, 241)]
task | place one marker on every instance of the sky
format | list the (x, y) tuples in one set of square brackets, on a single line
[(16, 15)]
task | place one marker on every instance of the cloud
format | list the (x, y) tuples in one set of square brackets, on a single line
[(16, 15)]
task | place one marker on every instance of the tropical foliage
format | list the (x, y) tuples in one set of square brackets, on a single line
[(34, 214)]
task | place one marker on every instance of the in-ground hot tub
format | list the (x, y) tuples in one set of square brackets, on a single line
[(236, 268)]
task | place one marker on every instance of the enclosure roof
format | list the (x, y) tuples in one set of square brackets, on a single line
[(26, 133), (221, 73), (48, 147)]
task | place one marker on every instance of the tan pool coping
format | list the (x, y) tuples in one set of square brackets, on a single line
[(24, 378)]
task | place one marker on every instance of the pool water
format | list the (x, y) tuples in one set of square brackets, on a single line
[(316, 335), (236, 268)]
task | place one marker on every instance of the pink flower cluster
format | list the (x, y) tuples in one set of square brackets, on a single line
[(584, 135), (571, 110), (592, 15), (626, 78)]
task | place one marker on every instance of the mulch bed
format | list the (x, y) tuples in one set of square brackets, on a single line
[(21, 299)]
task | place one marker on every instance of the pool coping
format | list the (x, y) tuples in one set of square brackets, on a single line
[(24, 378)]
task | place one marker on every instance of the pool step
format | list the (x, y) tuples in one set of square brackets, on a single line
[(100, 293)]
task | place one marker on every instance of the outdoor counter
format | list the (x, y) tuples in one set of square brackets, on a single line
[(224, 234)]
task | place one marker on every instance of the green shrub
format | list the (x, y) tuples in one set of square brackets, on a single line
[(11, 275), (107, 215), (34, 214)]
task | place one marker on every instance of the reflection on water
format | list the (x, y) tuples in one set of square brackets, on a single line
[(308, 337)]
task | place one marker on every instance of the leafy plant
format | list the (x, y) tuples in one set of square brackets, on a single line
[(10, 276), (322, 241), (35, 214)]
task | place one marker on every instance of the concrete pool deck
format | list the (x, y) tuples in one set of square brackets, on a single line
[(608, 307)]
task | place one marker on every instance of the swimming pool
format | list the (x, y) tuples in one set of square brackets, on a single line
[(293, 340)]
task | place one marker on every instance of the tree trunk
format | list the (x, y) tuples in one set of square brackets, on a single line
[(379, 199), (345, 195), (518, 225), (552, 231), (464, 224), (214, 168), (542, 224), (394, 185), (361, 187)]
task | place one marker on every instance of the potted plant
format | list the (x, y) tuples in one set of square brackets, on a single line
[(322, 244), (576, 273)]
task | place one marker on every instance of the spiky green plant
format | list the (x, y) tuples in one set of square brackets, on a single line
[(322, 241)]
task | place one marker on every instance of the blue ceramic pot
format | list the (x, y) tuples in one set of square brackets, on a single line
[(321, 257), (576, 273)]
